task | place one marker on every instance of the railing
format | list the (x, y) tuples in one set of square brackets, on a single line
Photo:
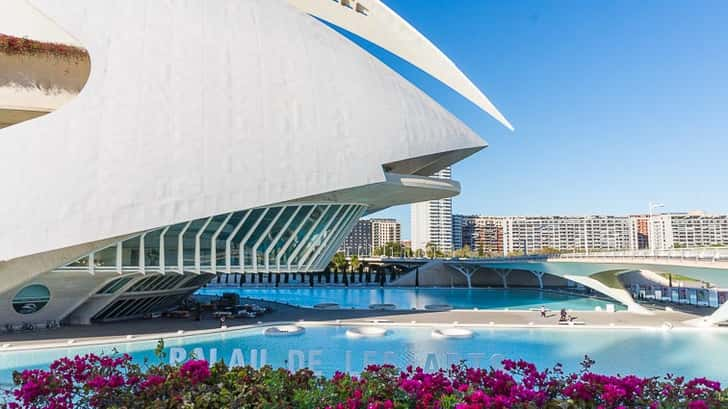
[(710, 254)]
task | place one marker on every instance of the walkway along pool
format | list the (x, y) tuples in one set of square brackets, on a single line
[(327, 348), (408, 298)]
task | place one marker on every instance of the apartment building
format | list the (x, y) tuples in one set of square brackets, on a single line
[(368, 234), (513, 234), (685, 230), (385, 231), (432, 221)]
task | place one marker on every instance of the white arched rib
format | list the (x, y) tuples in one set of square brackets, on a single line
[(375, 22)]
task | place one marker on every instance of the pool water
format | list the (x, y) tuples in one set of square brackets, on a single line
[(408, 298), (327, 349)]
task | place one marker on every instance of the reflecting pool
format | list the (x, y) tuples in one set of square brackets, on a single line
[(327, 349), (408, 298)]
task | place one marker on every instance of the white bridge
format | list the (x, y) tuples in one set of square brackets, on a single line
[(597, 271)]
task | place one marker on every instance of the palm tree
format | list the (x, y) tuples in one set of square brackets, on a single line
[(430, 249), (339, 262), (355, 264)]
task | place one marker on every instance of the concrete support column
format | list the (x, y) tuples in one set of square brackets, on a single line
[(539, 276), (503, 273), (468, 271)]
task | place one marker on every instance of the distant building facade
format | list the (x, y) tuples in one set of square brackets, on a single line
[(504, 235), (368, 234), (457, 231), (565, 233), (359, 241), (639, 235), (432, 221), (385, 231), (685, 230), (513, 234), (481, 234)]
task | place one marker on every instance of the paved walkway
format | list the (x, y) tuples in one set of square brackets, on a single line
[(168, 327)]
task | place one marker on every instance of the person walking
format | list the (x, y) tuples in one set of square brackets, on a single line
[(543, 311)]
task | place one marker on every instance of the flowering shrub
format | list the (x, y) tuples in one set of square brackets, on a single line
[(92, 381)]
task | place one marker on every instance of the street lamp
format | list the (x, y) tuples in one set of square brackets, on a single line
[(651, 229)]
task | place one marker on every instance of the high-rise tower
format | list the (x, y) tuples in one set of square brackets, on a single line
[(432, 221)]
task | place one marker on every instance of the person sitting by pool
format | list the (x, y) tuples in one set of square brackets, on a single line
[(564, 315)]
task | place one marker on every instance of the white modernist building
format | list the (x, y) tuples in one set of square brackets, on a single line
[(196, 138)]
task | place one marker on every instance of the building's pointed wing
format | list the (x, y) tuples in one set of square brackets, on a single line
[(375, 22)]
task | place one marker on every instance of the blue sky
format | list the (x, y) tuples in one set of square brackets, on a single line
[(615, 103)]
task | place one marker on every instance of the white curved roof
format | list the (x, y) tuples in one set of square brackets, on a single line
[(201, 108), (375, 22)]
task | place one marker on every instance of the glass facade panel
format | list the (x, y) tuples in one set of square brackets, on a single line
[(260, 229), (206, 237), (336, 236), (242, 233), (82, 262), (225, 234), (171, 244), (130, 253), (189, 242), (284, 218), (105, 257), (151, 248), (292, 235), (314, 239), (294, 250), (287, 237), (327, 238), (114, 285), (281, 233)]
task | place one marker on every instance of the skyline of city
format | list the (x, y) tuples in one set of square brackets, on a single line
[(508, 235), (395, 213)]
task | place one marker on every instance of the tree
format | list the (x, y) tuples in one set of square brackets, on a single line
[(394, 249), (430, 249), (548, 251), (355, 264), (339, 262), (464, 252)]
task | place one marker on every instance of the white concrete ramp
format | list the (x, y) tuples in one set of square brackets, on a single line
[(618, 294), (720, 315)]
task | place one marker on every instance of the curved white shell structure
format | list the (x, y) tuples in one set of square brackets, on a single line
[(210, 137), (366, 332), (459, 333), (284, 331)]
